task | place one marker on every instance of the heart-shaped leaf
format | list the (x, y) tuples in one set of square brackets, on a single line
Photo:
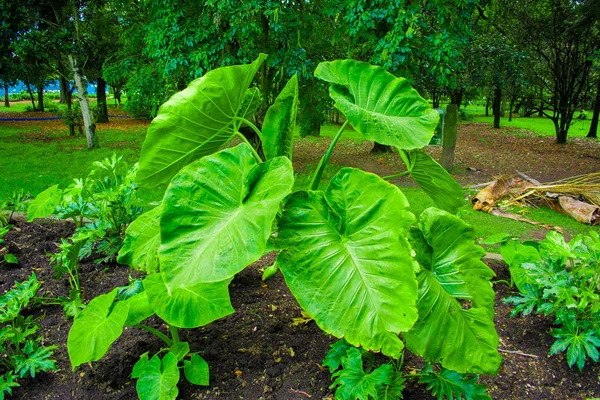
[(96, 328), (346, 261), (196, 370), (460, 339), (380, 106), (44, 203), (280, 122), (195, 122), (159, 378), (188, 306), (217, 215)]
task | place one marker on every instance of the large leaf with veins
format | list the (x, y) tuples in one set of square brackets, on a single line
[(195, 122), (346, 261), (382, 107), (456, 299), (218, 213)]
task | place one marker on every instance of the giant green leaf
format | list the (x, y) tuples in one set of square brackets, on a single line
[(96, 328), (195, 122), (139, 309), (188, 306), (142, 240), (218, 213), (382, 107), (435, 181), (280, 122), (158, 379), (44, 203), (460, 338), (346, 261)]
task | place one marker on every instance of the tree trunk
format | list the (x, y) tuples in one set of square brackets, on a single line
[(541, 110), (40, 96), (487, 106), (90, 127), (436, 97), (456, 96), (497, 104), (450, 133), (561, 136), (6, 96), (65, 91), (30, 94), (101, 98), (117, 95), (593, 133), (381, 148)]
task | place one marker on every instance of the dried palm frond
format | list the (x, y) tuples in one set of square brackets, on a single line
[(586, 187)]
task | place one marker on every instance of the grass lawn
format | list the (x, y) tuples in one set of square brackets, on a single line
[(33, 158), (542, 126)]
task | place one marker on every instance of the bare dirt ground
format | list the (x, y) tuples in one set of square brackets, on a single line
[(481, 154)]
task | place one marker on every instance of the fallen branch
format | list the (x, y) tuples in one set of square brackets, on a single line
[(518, 353), (500, 213), (528, 178), (301, 392), (481, 185)]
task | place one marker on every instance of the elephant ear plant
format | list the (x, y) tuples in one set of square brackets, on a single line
[(354, 256)]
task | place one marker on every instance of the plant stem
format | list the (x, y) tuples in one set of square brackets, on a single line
[(254, 153), (174, 333), (252, 126), (156, 333), (314, 184), (400, 175)]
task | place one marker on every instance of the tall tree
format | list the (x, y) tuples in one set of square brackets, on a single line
[(563, 41)]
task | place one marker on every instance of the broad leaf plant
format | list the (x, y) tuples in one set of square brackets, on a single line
[(356, 259)]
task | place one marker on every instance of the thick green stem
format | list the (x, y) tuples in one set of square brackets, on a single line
[(156, 333), (252, 126), (314, 184), (174, 333), (254, 153), (400, 175)]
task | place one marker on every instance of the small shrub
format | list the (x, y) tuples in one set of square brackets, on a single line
[(23, 355), (563, 280)]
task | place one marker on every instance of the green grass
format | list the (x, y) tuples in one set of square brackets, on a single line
[(330, 130), (33, 160), (541, 126), (21, 106)]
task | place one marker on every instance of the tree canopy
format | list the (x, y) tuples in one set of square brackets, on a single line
[(538, 55)]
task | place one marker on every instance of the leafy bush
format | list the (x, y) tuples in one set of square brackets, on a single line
[(358, 262), (73, 118), (17, 202), (107, 199), (23, 355), (22, 95), (563, 280), (357, 374)]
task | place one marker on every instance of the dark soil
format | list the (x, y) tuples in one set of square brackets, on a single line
[(258, 352)]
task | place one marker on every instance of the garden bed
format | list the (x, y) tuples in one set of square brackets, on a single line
[(259, 352)]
